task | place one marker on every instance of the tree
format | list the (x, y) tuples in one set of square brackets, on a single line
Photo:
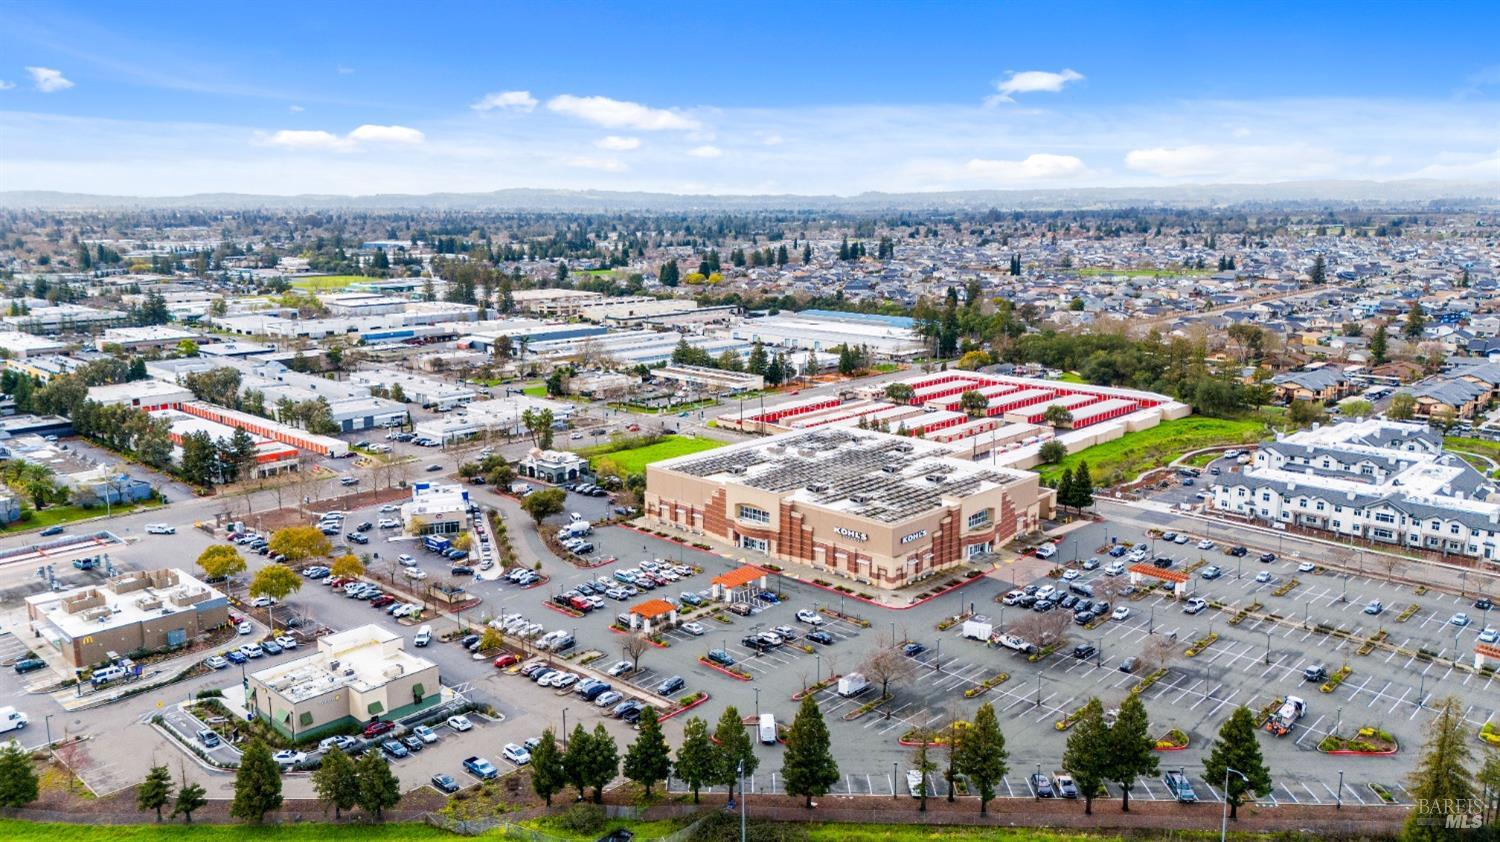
[(1237, 748), (576, 759), (336, 781), (1378, 345), (191, 797), (1086, 756), (923, 764), (1083, 487), (548, 773), (1356, 408), (1065, 488), (757, 362), (155, 791), (973, 403), (379, 787), (603, 762), (221, 560), (18, 780), (1442, 776), (901, 393), (1051, 452), (776, 371), (1303, 413), (299, 543), (1319, 273), (545, 503), (736, 754), (257, 784), (275, 581), (1131, 749), (347, 566), (669, 275), (1416, 321), (982, 755), (887, 665), (1402, 407), (1057, 416), (808, 767), (648, 761), (695, 757)]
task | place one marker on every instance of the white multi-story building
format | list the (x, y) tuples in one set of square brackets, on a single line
[(1376, 480)]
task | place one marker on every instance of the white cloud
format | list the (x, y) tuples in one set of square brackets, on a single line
[(585, 162), (1036, 167), (772, 139), (707, 151), (386, 134), (617, 143), (49, 81), (1481, 167), (5, 86), (620, 114), (295, 109), (367, 133), (517, 100), (1032, 81), (1270, 162)]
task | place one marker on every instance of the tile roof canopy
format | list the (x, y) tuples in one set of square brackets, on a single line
[(739, 576), (652, 608), (1157, 573)]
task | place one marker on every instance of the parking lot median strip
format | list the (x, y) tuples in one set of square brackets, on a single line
[(685, 704), (1067, 721), (1174, 740), (988, 684), (1286, 587), (1265, 713), (737, 675), (1240, 615), (1369, 645), (1336, 679), (562, 609), (866, 708), (815, 688), (848, 618), (1369, 741), (1149, 680), (1408, 612), (1201, 643)]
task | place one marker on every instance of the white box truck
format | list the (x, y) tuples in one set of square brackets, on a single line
[(11, 719), (852, 684), (978, 629), (767, 729)]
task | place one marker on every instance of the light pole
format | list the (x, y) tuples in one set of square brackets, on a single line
[(565, 729), (1039, 691), (893, 633), (1338, 802), (757, 703), (1338, 719), (1224, 812), (47, 722), (741, 769), (894, 797), (818, 676), (1268, 648), (1151, 623), (937, 660)]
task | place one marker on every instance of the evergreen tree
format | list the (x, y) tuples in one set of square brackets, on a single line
[(576, 759), (379, 787), (982, 755), (1065, 488), (548, 773), (1131, 749), (18, 780), (1237, 748), (922, 763), (1083, 487), (648, 761), (775, 371), (734, 749), (669, 275), (695, 757), (1416, 321), (155, 791), (257, 784), (1378, 345), (808, 767), (335, 782), (1442, 776), (1319, 273), (807, 253), (757, 362), (1087, 754), (191, 797), (781, 258), (603, 761)]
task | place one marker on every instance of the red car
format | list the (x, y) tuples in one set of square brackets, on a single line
[(382, 601), (336, 582), (581, 604), (378, 727), (505, 660)]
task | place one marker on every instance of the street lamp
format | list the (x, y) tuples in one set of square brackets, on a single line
[(1224, 812), (757, 703), (1151, 623), (894, 797), (47, 722), (1338, 803), (565, 729), (818, 676), (1268, 648)]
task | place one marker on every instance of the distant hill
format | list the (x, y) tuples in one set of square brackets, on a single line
[(1303, 193)]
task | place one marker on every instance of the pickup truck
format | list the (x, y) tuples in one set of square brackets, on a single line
[(1180, 787), (480, 768), (1010, 641)]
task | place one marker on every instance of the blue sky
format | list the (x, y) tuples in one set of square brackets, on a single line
[(324, 97)]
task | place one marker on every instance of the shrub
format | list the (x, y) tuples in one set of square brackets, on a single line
[(582, 818)]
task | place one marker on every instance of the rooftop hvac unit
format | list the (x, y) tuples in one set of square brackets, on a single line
[(817, 487), (859, 498), (737, 469), (935, 478)]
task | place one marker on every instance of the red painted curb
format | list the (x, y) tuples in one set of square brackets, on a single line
[(734, 675), (800, 694), (1169, 748), (547, 603), (683, 709), (1346, 752), (537, 584)]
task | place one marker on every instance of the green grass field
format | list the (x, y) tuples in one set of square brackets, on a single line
[(54, 515), (329, 282), (634, 460), (1072, 377), (21, 831), (1124, 458), (537, 391)]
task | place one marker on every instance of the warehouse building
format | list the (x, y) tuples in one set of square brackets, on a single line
[(147, 395), (876, 508), (555, 302), (427, 391), (271, 457), (355, 677), (129, 614), (717, 380), (500, 416)]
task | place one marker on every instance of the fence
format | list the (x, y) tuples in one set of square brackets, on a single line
[(501, 827)]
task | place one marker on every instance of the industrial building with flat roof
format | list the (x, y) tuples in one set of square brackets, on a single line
[(142, 610), (271, 457), (881, 509), (147, 395), (355, 677), (500, 416)]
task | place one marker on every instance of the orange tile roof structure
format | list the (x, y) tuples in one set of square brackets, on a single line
[(1156, 572), (742, 576), (652, 608)]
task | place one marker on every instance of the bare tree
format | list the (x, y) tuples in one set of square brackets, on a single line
[(1042, 629), (887, 665), (633, 647), (1109, 588), (1158, 652)]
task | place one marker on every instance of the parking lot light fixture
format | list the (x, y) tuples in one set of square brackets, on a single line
[(1268, 648), (757, 703), (894, 797), (1224, 811)]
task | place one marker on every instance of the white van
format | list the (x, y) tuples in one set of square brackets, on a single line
[(424, 636), (767, 729), (12, 719), (107, 674)]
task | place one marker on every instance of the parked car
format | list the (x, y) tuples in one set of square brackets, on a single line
[(1041, 785), (378, 727), (444, 783), (460, 723)]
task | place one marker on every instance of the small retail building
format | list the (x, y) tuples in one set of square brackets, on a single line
[(133, 613), (355, 677)]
